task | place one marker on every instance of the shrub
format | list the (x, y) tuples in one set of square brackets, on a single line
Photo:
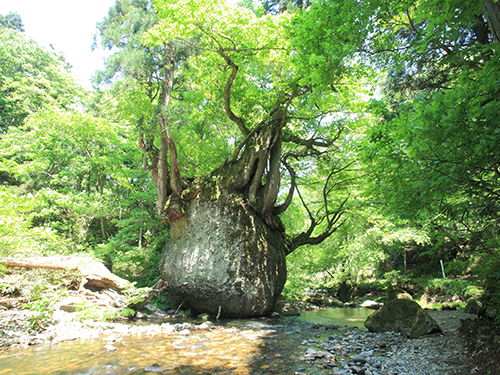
[(490, 273)]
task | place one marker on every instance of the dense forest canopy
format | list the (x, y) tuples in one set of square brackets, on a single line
[(368, 129)]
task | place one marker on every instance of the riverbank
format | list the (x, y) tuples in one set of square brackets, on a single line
[(363, 352)]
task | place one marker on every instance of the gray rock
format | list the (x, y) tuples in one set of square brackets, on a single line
[(423, 325), (312, 354), (474, 307), (396, 315), (205, 325), (371, 304), (358, 358), (223, 259), (366, 354), (338, 371)]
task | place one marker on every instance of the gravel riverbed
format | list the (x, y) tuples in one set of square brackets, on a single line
[(363, 352), (351, 351)]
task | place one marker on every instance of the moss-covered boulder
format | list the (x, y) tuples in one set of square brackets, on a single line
[(423, 325), (396, 315), (223, 259), (400, 315), (474, 307)]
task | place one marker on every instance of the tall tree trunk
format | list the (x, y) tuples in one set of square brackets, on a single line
[(492, 10), (169, 205), (161, 176)]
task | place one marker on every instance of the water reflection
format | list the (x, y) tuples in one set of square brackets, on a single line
[(246, 347), (349, 317)]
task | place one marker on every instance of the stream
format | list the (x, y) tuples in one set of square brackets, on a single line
[(253, 346)]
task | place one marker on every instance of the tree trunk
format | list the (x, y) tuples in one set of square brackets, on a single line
[(161, 177), (95, 275), (492, 10)]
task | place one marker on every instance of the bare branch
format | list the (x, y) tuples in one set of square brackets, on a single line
[(312, 142)]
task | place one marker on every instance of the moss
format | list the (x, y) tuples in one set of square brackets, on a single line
[(395, 315), (423, 325), (127, 313)]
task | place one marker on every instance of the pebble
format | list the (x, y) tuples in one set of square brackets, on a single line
[(17, 333), (367, 354), (205, 325), (358, 358)]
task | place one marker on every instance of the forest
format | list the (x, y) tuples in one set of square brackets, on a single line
[(362, 138)]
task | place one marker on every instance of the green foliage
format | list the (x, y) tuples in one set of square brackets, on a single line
[(42, 304), (85, 311), (18, 237), (326, 38), (465, 289), (71, 167), (431, 148), (489, 270), (136, 295), (127, 313), (393, 279), (12, 21), (31, 78)]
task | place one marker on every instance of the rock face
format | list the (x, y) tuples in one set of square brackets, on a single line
[(223, 259)]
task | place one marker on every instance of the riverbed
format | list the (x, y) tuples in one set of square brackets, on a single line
[(321, 342)]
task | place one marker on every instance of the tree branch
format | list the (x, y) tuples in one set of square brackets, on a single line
[(227, 94), (283, 207)]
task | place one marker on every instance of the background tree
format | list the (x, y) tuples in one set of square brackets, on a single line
[(432, 150), (434, 143), (12, 21), (31, 78)]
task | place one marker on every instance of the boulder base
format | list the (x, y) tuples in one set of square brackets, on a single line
[(223, 259)]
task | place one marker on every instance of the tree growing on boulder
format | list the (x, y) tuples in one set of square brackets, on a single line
[(234, 124)]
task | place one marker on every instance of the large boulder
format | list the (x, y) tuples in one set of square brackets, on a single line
[(223, 259), (396, 315), (402, 315)]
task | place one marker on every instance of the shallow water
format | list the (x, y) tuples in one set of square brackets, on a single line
[(347, 317), (267, 346)]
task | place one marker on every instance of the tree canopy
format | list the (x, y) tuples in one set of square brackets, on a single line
[(31, 77), (367, 128)]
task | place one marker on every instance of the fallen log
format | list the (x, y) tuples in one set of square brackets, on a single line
[(95, 276)]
